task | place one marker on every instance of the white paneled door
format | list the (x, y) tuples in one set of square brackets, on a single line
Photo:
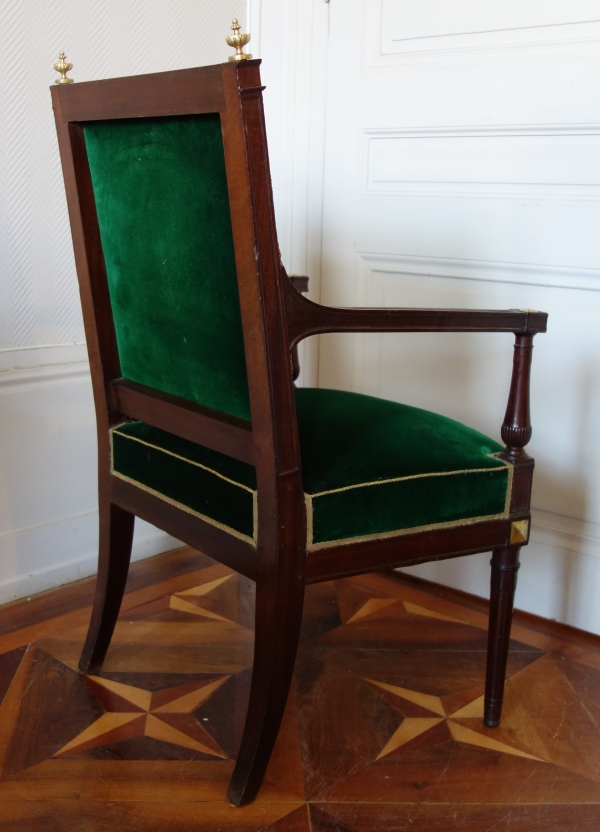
[(462, 169)]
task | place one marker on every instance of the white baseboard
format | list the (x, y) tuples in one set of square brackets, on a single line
[(559, 577), (44, 557), (48, 484)]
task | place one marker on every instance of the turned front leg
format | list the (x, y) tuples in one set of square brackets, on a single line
[(505, 565), (516, 433)]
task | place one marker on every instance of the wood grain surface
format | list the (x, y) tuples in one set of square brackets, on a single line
[(383, 727)]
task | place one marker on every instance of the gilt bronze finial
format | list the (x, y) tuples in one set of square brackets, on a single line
[(63, 67), (238, 41)]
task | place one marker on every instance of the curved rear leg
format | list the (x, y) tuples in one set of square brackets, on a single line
[(116, 538), (278, 618)]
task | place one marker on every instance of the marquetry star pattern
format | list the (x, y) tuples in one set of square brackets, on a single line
[(165, 715), (195, 602), (388, 704), (435, 712)]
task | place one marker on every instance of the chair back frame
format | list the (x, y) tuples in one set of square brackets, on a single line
[(275, 317), (270, 441)]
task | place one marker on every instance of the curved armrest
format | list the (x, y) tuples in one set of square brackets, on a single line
[(306, 318)]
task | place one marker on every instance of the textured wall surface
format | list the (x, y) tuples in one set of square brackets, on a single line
[(102, 38), (48, 505)]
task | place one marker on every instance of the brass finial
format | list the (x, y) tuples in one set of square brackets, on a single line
[(63, 67), (238, 41)]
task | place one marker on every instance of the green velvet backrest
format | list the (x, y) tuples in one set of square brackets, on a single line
[(165, 227)]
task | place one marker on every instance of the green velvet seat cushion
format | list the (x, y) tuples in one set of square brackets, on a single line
[(215, 487), (371, 468), (163, 211)]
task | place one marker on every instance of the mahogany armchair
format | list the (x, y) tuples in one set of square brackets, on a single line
[(191, 322)]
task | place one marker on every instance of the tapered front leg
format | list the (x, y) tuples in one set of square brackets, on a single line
[(116, 538), (505, 565)]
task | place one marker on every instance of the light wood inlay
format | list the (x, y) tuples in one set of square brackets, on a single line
[(177, 603), (466, 735), (409, 729), (152, 738), (159, 730), (373, 605), (415, 609), (188, 703), (204, 589), (425, 700), (105, 725), (141, 698), (473, 709)]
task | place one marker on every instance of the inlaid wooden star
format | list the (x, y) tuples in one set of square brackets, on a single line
[(181, 600), (433, 711), (164, 715)]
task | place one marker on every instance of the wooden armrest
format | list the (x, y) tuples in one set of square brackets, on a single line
[(299, 282), (306, 318)]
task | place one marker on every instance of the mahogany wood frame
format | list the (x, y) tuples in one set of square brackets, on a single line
[(275, 318)]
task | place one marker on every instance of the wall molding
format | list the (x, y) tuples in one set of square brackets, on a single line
[(426, 131), (531, 274), (40, 355), (35, 376), (500, 45), (569, 534), (559, 577), (49, 533), (528, 162)]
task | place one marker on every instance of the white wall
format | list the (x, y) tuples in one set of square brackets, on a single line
[(48, 517), (291, 39), (47, 444), (477, 180)]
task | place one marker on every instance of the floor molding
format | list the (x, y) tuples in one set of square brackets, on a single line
[(79, 594), (564, 632), (33, 553)]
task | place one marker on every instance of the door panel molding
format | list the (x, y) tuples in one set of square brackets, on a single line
[(534, 161), (529, 274), (432, 30)]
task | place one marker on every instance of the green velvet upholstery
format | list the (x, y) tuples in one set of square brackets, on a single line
[(211, 485), (370, 468), (399, 467), (165, 226)]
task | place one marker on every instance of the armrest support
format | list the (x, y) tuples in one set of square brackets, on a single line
[(516, 428), (300, 284), (306, 318)]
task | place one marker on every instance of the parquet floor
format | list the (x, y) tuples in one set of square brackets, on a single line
[(382, 732)]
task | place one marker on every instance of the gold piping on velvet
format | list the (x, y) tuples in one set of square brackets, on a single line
[(327, 544), (182, 458), (309, 501), (189, 510), (311, 547), (404, 479), (509, 484), (309, 520), (181, 506)]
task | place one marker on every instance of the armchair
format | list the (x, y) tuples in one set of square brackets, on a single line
[(191, 323)]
